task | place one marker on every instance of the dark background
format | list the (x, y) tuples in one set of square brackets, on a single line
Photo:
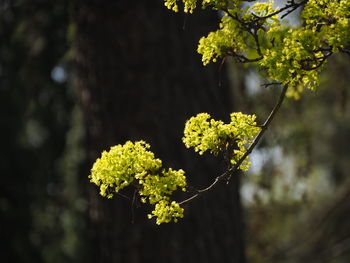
[(77, 77)]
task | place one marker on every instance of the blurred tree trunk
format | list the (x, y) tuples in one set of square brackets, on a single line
[(139, 77)]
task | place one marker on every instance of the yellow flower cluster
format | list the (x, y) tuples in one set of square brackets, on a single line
[(219, 43), (329, 20), (165, 212), (294, 62), (252, 33), (132, 163), (205, 134), (190, 5), (293, 56)]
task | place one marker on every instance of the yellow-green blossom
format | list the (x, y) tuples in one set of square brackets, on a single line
[(165, 212), (133, 163), (254, 33), (205, 134)]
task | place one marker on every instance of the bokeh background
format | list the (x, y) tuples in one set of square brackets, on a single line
[(77, 77)]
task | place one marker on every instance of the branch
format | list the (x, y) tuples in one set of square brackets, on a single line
[(227, 174), (243, 59), (291, 5), (252, 26), (265, 85), (320, 63)]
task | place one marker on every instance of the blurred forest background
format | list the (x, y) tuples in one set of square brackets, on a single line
[(77, 77)]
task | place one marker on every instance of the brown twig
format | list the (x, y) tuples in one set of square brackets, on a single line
[(227, 174), (290, 7), (320, 63), (265, 85), (253, 25)]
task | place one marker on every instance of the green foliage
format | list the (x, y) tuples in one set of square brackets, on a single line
[(329, 20), (166, 212), (221, 42), (251, 33), (205, 134), (293, 56), (132, 163)]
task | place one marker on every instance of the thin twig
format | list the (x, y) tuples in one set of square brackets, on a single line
[(133, 207), (227, 174), (292, 6), (126, 197), (265, 85), (252, 27), (243, 59), (322, 60)]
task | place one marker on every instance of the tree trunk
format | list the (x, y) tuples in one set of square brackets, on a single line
[(139, 77)]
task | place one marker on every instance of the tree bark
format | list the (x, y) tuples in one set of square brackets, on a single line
[(139, 77)]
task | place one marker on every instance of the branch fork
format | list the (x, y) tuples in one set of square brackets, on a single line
[(234, 168)]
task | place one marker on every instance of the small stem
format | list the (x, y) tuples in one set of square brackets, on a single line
[(227, 174), (265, 85), (263, 129)]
